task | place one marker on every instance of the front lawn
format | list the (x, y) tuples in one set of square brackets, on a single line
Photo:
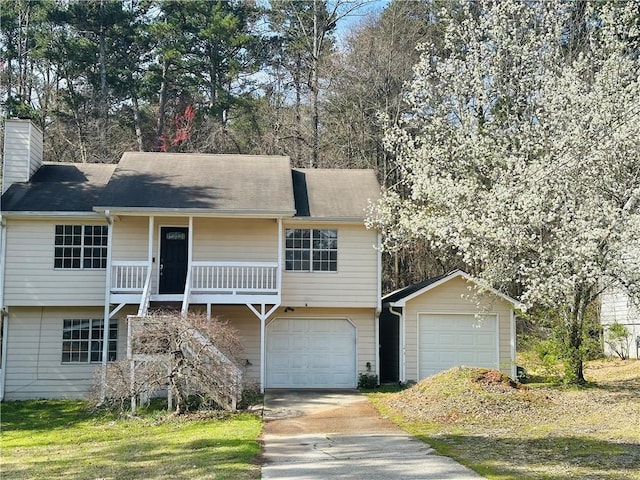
[(62, 440), (545, 432)]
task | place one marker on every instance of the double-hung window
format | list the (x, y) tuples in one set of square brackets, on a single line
[(80, 246), (311, 250), (82, 340)]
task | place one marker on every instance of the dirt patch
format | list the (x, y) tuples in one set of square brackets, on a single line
[(358, 417)]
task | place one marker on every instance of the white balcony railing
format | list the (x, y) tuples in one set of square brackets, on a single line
[(234, 277), (131, 277), (128, 277)]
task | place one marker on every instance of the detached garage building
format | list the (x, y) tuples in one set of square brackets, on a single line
[(444, 322)]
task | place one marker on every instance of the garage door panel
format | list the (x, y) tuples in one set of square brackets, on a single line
[(320, 362), (279, 341), (318, 353), (320, 344), (448, 340), (299, 344), (280, 361)]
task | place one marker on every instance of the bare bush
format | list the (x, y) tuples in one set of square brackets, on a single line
[(183, 356)]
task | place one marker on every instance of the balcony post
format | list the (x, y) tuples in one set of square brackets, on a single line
[(107, 310), (280, 263), (150, 243)]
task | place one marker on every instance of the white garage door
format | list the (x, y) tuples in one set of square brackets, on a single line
[(311, 353), (447, 340)]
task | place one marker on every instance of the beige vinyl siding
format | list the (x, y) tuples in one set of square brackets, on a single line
[(214, 239), (355, 284), (22, 152), (34, 354), (31, 280), (248, 327), (130, 239), (235, 240), (456, 296)]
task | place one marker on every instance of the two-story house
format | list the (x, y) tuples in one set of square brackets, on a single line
[(281, 253)]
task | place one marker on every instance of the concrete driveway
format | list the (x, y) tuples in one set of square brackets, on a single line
[(320, 435)]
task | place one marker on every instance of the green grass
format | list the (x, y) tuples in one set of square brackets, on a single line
[(63, 440)]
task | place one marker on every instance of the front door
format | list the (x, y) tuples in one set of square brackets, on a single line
[(173, 259)]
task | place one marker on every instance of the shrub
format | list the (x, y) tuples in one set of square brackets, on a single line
[(367, 381), (617, 337)]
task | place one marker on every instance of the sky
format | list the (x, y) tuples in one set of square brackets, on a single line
[(347, 23)]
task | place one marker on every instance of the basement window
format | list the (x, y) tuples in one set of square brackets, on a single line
[(82, 340), (80, 246)]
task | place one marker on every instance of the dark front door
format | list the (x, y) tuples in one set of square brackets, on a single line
[(173, 259)]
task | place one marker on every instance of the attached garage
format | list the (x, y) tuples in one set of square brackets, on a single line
[(311, 353), (445, 322)]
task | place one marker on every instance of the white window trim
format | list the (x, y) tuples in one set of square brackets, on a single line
[(91, 340), (311, 251), (82, 246)]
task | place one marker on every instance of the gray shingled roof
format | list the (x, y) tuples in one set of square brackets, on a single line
[(406, 291), (334, 193), (220, 183), (235, 184), (59, 187)]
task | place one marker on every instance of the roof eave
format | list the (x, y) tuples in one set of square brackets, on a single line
[(196, 212), (52, 214), (358, 220)]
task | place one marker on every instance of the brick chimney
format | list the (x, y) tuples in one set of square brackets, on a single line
[(22, 154)]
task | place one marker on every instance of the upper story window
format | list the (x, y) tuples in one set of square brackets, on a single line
[(311, 250), (80, 246), (82, 340)]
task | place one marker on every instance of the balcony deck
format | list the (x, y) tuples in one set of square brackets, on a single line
[(208, 283)]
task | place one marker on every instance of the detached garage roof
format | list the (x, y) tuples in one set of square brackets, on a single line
[(399, 297)]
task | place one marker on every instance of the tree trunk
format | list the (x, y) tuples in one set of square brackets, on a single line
[(315, 59), (574, 332), (298, 115), (103, 121), (137, 121), (162, 101), (574, 373), (177, 381)]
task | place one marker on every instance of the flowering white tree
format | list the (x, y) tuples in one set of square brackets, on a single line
[(522, 152)]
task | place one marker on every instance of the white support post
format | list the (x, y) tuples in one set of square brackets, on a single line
[(377, 337), (379, 272), (263, 356), (4, 316), (4, 320), (512, 327), (280, 259), (132, 366), (187, 286), (263, 314), (107, 308), (150, 243)]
